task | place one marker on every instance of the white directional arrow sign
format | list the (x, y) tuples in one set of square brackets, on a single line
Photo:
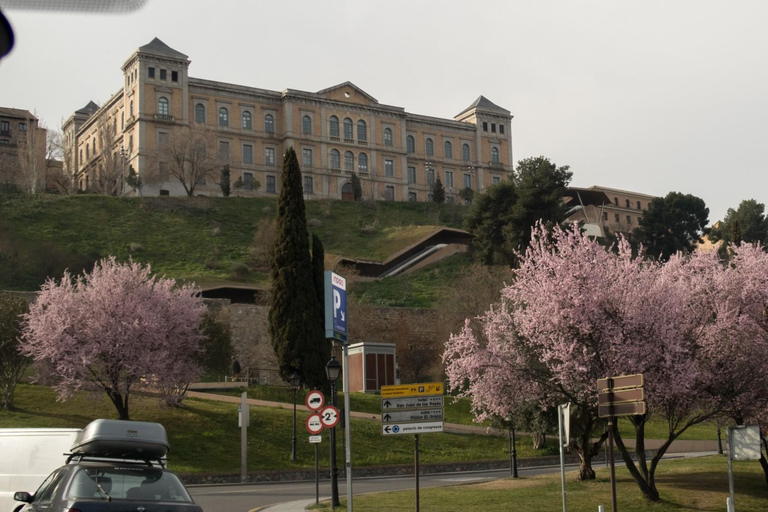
[(411, 415), (413, 402), (412, 428)]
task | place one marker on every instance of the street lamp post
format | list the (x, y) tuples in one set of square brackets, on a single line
[(333, 372), (512, 448), (295, 380)]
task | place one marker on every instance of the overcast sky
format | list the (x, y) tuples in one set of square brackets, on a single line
[(648, 96)]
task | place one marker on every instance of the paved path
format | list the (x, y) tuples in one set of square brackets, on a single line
[(679, 446)]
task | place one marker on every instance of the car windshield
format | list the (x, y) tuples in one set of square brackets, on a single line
[(141, 484)]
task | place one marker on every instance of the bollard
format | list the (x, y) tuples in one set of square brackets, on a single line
[(600, 508), (729, 505)]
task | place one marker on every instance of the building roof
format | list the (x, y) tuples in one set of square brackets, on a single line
[(348, 84), (89, 109), (157, 47), (483, 103), (16, 113)]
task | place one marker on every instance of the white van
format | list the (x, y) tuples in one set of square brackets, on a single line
[(28, 456)]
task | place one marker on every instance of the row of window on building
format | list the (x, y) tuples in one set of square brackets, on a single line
[(617, 218), (334, 130), (5, 127), (628, 203)]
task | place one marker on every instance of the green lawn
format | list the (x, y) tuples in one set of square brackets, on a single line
[(196, 239), (692, 484), (204, 436)]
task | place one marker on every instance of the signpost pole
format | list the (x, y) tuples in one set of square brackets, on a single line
[(560, 431), (416, 463), (317, 476), (334, 468), (730, 466), (244, 417), (613, 466), (347, 426)]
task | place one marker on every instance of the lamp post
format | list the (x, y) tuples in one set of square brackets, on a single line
[(295, 380), (333, 372), (512, 448)]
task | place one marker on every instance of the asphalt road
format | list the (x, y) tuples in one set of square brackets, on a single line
[(242, 498)]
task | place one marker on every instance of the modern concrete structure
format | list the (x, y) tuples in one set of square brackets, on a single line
[(336, 132)]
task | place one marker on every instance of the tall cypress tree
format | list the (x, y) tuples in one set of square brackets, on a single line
[(295, 324), (318, 273)]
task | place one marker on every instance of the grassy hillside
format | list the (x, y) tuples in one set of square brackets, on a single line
[(201, 239)]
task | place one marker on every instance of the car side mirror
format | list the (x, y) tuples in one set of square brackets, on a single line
[(23, 496)]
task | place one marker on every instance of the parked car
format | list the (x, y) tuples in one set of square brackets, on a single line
[(115, 466)]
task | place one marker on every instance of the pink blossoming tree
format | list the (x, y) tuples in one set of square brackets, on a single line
[(113, 329), (577, 312)]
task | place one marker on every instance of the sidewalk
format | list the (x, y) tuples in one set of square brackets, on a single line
[(291, 506)]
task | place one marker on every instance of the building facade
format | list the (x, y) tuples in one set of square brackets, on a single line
[(608, 209), (22, 150), (336, 132)]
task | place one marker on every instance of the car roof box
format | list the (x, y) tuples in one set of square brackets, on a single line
[(121, 439)]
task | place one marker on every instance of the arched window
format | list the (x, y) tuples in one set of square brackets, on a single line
[(465, 154), (387, 136), (87, 151), (269, 123), (362, 162), (348, 128), (306, 125), (495, 155), (429, 147), (628, 204), (130, 112), (638, 206), (162, 106), (448, 149), (247, 121), (349, 161), (411, 144), (334, 126), (616, 201), (335, 159), (223, 117), (362, 131)]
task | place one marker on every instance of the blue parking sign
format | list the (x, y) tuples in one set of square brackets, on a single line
[(335, 306)]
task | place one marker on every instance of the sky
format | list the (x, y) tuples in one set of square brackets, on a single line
[(641, 95)]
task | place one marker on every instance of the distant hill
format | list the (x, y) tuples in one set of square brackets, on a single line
[(200, 239)]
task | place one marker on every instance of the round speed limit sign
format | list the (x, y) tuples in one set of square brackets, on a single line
[(329, 416), (314, 425)]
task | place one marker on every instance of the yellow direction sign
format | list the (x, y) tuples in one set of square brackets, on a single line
[(427, 388)]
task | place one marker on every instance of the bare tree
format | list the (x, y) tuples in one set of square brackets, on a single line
[(110, 171), (188, 156), (66, 176), (31, 153)]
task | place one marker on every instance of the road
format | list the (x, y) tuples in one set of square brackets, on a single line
[(242, 498)]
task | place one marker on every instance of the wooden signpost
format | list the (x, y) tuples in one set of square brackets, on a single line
[(619, 396)]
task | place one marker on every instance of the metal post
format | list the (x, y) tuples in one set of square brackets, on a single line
[(347, 425), (293, 448), (729, 433), (562, 454), (719, 441), (613, 467), (317, 475), (244, 416), (334, 469), (416, 468)]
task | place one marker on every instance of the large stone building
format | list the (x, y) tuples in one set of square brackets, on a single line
[(336, 132), (604, 209), (22, 150)]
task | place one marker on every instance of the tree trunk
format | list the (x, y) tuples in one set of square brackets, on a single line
[(538, 440), (763, 461), (121, 404), (645, 479)]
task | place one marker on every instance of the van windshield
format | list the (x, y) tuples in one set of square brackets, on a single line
[(140, 484)]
